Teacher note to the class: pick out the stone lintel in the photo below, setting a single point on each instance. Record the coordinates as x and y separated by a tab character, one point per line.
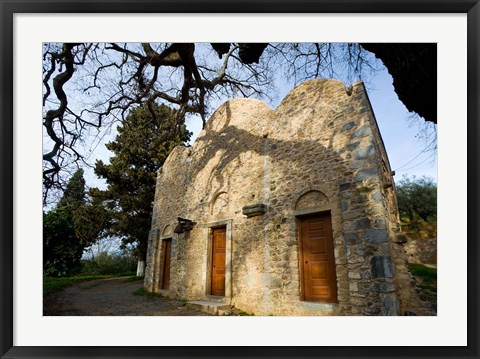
312	210
254	210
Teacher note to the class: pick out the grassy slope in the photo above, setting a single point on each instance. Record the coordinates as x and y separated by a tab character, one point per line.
426	276
427	280
52	285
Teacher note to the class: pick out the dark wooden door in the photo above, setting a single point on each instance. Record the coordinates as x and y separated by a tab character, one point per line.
167	251
218	261
319	283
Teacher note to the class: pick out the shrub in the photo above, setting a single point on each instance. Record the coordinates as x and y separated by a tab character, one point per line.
62	250
105	263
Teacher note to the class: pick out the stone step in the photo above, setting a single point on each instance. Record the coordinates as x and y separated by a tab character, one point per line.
208	307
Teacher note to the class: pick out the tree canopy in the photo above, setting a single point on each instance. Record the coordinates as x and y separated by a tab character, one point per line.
417	199
144	140
62	246
88	86
74	194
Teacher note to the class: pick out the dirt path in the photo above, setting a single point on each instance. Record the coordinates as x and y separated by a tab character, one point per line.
112	296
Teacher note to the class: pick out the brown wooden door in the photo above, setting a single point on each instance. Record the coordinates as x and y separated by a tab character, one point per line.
319	283
167	250
218	261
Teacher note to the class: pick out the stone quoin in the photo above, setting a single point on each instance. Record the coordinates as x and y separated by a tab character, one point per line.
289	211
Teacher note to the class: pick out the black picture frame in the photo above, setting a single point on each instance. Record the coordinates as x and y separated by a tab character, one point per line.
10	7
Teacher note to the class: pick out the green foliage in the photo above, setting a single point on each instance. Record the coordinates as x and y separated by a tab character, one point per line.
62	250
74	195
105	263
64	232
427	276
417	200
52	285
91	221
241	313
144	141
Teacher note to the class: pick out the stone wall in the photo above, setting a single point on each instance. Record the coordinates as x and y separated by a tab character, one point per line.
421	246
423	251
319	151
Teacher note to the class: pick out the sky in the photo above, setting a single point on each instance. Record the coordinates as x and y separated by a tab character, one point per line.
409	153
406	150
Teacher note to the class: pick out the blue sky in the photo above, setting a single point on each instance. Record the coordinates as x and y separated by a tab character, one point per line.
405	148
400	136
409	153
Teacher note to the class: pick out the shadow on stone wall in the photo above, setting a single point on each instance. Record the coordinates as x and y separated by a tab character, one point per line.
257	155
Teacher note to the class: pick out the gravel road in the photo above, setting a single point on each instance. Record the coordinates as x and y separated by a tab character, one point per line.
111	297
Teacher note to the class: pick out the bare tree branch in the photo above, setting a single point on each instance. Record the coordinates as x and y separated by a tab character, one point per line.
95	85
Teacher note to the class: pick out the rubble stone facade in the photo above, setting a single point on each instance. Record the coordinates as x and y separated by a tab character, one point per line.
258	173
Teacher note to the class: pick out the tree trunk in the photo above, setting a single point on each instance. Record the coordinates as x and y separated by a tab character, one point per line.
140	268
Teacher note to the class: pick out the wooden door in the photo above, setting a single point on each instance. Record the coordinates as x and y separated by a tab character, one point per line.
319	283
167	251
218	261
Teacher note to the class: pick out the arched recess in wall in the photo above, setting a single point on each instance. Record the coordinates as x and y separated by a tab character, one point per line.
167	231
220	203
311	198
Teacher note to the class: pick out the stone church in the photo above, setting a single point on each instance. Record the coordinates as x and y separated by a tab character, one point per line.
289	211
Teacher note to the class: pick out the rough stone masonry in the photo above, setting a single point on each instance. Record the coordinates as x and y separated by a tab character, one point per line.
289	211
